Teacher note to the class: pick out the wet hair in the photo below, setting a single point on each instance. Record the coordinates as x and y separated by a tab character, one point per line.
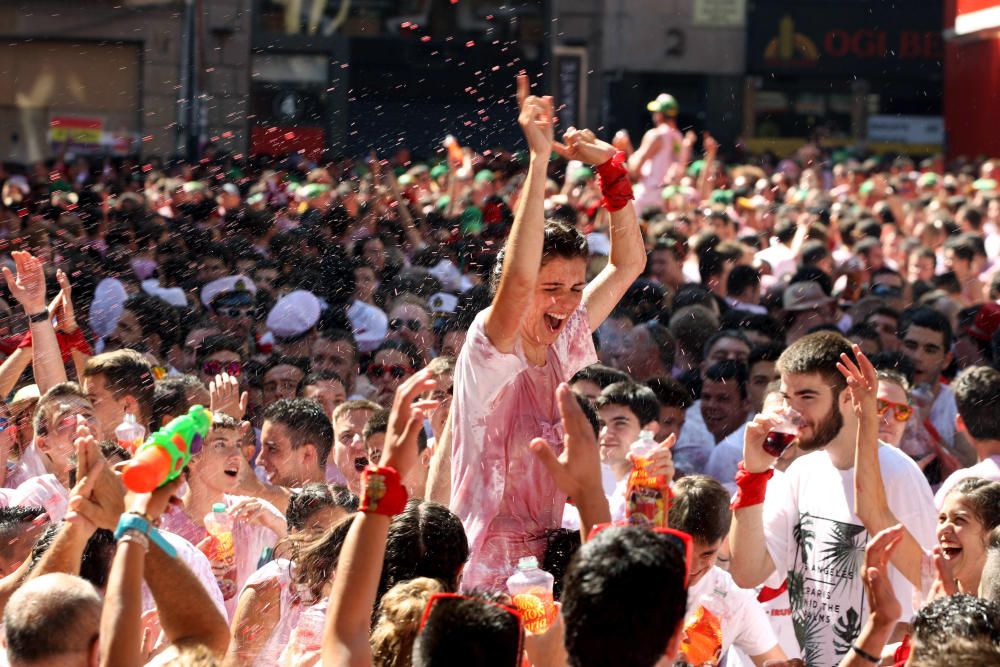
170	396
896	378
983	497
398	621
305	423
51	400
639	399
14	523
590	413
979	652
600	375
700	508
559	240
729	370
315	496
960	615
470	630
817	353
425	540
670	392
623	598
976	391
315	558
217	343
927	318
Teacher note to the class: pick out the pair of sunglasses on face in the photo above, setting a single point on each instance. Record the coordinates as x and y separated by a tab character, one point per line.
394	370
901	412
397	323
213	368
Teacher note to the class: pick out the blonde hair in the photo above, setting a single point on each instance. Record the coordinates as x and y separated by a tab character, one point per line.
398	622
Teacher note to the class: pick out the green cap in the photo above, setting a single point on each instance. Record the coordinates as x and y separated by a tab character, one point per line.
694	169
443	202
405	180
484	176
721	197
669	191
439	170
984	184
471	221
867	187
312	190
665	104
927	179
583	173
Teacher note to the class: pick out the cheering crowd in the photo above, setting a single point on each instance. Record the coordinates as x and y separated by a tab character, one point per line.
425	377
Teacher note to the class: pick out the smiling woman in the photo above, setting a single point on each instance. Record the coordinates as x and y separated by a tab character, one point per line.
534	336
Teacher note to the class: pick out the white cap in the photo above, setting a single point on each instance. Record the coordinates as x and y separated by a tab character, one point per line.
294	314
213	290
175	296
447	274
107	307
598	244
369	325
442	302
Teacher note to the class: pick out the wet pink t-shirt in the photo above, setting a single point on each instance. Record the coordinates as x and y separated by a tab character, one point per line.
250	540
501	492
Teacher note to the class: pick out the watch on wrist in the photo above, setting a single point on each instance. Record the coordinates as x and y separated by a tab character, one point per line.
135	522
43	316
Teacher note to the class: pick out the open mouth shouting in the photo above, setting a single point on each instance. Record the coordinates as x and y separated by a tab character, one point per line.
232	471
360	463
555	322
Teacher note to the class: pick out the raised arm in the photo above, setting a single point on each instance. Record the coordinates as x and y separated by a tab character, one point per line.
355	585
12	369
438	487
870	502
647	149
28	287
627	259
751	562
523	253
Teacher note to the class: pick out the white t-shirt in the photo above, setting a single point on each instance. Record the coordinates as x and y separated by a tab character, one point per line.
987	469
720	614
813	535
942	415
694	442
724	459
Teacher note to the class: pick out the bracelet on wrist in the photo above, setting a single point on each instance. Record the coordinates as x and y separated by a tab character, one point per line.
135	537
382	492
35	318
865	655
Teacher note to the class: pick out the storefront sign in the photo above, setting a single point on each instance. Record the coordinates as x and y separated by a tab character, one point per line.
906	129
719	13
868	38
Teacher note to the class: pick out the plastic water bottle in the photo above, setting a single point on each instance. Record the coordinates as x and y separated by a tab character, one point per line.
647	497
222	550
531	591
130	433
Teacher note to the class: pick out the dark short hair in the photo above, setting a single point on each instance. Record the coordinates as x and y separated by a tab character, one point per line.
670	392
336	335
217	343
558	240
306	423
155	316
983	496
700	508
926	318
725	333
742	278
894	361
600	375
623	598
590	413
315	377
315	496
960	615
976	392
817	353
763	324
377	423
470	630
638	398
170	397
729	370
765	352
865	331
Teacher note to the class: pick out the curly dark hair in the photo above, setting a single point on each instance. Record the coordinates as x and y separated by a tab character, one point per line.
561	240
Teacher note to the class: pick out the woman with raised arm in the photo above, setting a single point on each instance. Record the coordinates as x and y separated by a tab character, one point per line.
534	336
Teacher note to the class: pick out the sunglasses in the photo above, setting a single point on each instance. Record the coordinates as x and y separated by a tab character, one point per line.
378	370
439	598
235	313
678	538
213	368
901	411
413	325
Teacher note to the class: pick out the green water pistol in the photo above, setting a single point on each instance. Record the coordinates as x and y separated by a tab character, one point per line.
165	453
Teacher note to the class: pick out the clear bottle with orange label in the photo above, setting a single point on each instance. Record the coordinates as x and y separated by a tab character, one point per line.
531	592
647	497
130	433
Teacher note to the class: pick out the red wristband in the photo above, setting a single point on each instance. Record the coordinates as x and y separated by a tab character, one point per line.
750	487
382	492
615	186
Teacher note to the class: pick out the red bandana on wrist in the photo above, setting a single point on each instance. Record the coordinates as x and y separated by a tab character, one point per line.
615	185
751	487
382	492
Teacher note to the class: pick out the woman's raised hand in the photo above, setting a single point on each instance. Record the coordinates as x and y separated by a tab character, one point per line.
583	145
536	118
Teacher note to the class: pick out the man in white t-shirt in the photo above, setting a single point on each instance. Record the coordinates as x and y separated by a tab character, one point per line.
815	536
719	613
976	391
